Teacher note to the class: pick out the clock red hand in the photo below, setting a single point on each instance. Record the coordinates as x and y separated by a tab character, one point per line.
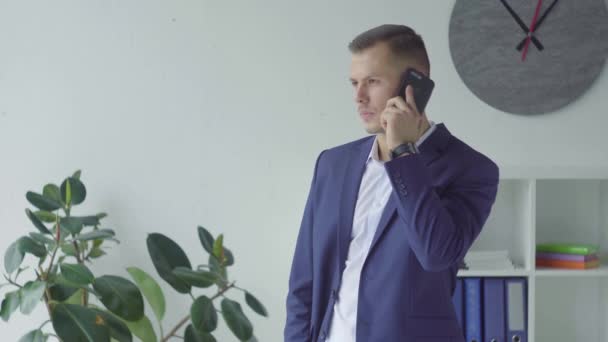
532	27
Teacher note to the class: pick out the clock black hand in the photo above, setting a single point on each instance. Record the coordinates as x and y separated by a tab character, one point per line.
540	21
523	26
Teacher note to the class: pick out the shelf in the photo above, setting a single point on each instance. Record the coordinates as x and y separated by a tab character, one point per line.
570	309
553	172
518	272
552	205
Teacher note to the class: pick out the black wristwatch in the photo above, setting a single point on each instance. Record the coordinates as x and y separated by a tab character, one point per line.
409	147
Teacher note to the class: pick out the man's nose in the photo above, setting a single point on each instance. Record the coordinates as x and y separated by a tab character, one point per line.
361	95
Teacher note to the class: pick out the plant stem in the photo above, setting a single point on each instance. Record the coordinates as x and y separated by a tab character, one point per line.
45	322
13	283
45	275
47	293
57	243
187	318
77	252
84	298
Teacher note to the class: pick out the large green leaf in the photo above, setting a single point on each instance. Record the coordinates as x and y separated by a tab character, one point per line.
76	297
9	304
78	191
43	239
150	289
142	329
236	319
120	296
96	252
255	304
68	248
118	329
203	314
72	224
167	255
42	202
77	323
192	335
77	273
96	234
61	292
218	248
37	223
206	239
51	191
228	257
13	257
195	278
87	221
34	336
67	196
45	216
30	295
29	245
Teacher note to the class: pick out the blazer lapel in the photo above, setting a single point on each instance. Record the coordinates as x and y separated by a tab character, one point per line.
353	173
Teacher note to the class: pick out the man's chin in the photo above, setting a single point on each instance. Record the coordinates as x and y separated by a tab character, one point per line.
373	129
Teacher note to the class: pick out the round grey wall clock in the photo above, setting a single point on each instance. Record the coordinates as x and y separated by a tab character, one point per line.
528	56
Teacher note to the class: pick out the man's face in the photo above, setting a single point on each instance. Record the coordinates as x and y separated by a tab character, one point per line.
374	75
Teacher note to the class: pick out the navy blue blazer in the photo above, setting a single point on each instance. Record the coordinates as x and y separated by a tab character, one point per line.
441	199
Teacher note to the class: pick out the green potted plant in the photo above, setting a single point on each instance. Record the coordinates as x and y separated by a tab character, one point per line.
85	307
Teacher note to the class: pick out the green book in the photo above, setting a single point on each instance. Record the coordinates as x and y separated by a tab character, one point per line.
567	248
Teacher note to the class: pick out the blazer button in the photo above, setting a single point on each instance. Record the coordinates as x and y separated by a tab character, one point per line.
322	337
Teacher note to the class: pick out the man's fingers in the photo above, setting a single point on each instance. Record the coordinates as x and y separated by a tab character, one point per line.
398	105
409	98
397	102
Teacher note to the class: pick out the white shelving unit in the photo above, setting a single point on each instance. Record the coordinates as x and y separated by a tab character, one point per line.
547	204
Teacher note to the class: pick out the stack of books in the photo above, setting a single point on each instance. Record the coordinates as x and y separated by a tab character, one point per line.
488	260
565	255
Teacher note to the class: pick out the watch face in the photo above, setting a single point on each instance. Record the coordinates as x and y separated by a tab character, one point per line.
522	73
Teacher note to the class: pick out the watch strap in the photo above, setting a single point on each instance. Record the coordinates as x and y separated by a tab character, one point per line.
404	148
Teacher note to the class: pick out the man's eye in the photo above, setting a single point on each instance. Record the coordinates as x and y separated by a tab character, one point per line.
372	80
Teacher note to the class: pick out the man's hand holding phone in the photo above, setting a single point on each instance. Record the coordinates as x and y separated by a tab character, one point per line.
401	120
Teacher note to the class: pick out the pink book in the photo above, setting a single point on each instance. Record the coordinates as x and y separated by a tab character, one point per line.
566	257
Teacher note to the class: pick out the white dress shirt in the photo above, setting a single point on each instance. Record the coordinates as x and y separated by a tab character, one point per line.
374	193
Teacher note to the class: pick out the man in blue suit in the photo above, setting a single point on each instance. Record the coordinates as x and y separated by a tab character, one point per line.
388	217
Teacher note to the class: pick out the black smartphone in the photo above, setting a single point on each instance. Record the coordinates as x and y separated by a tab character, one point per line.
423	87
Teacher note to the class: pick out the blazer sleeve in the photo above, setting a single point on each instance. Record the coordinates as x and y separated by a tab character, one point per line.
299	296
441	229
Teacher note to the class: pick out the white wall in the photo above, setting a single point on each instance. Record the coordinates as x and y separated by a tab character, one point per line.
208	112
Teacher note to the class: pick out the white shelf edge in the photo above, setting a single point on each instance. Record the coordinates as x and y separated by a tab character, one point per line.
518	272
552	172
602	271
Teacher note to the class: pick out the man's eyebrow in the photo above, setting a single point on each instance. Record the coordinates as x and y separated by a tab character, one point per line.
364	78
